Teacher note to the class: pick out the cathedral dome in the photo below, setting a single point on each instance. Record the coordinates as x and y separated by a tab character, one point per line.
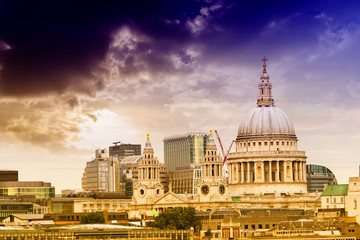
266	121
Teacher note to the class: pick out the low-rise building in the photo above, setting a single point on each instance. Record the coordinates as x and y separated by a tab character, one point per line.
37	188
334	196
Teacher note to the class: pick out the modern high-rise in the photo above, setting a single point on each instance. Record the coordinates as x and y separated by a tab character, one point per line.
184	149
122	150
318	177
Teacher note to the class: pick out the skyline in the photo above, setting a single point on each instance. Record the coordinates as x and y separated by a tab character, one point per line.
79	76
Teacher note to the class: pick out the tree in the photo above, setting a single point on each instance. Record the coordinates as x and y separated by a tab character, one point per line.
176	218
93	217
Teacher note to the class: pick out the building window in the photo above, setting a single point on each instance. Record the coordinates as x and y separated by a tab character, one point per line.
342	199
355	204
246	226
327	200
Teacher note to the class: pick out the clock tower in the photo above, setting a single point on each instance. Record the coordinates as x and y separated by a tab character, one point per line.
212	185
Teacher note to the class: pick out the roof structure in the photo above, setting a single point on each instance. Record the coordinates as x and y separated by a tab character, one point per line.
336	190
131	159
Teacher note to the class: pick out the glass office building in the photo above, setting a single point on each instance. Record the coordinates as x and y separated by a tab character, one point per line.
36	188
184	149
318	177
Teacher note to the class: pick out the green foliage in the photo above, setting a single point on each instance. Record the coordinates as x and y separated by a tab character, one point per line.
176	218
93	217
208	233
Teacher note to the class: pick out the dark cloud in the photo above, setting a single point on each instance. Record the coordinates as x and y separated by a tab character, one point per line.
56	45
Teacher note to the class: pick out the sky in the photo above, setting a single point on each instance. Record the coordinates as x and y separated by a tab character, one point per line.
80	75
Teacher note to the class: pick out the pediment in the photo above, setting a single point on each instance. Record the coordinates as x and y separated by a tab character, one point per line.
171	198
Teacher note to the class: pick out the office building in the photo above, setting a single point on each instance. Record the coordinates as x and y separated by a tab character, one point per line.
122	150
35	188
102	173
184	149
9	175
185	178
318	177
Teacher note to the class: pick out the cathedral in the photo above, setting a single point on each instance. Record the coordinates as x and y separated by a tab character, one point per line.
267	160
265	171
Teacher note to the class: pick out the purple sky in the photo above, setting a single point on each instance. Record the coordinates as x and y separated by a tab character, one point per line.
78	75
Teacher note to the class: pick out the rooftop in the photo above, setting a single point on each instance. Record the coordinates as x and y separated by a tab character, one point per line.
336	190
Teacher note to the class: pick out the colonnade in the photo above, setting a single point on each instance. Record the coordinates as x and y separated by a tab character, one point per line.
258	171
211	169
149	173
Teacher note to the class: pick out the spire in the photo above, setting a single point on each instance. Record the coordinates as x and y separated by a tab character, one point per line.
148	143
265	98
148	148
211	141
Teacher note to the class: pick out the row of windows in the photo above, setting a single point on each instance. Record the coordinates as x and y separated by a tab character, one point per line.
266	143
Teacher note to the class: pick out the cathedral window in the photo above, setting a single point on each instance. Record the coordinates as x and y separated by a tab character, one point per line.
254	144
259	143
283	143
249	144
277	143
271	143
265	143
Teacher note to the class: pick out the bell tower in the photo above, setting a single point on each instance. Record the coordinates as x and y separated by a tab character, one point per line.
212	185
148	186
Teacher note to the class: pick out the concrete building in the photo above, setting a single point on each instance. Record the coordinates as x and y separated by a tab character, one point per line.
102	173
318	177
122	150
266	160
185	178
184	149
9	176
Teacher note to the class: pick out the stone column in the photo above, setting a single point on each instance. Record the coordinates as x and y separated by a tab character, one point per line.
263	171
291	172
296	172
304	171
242	172
230	172
270	172
248	172
277	171
285	173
